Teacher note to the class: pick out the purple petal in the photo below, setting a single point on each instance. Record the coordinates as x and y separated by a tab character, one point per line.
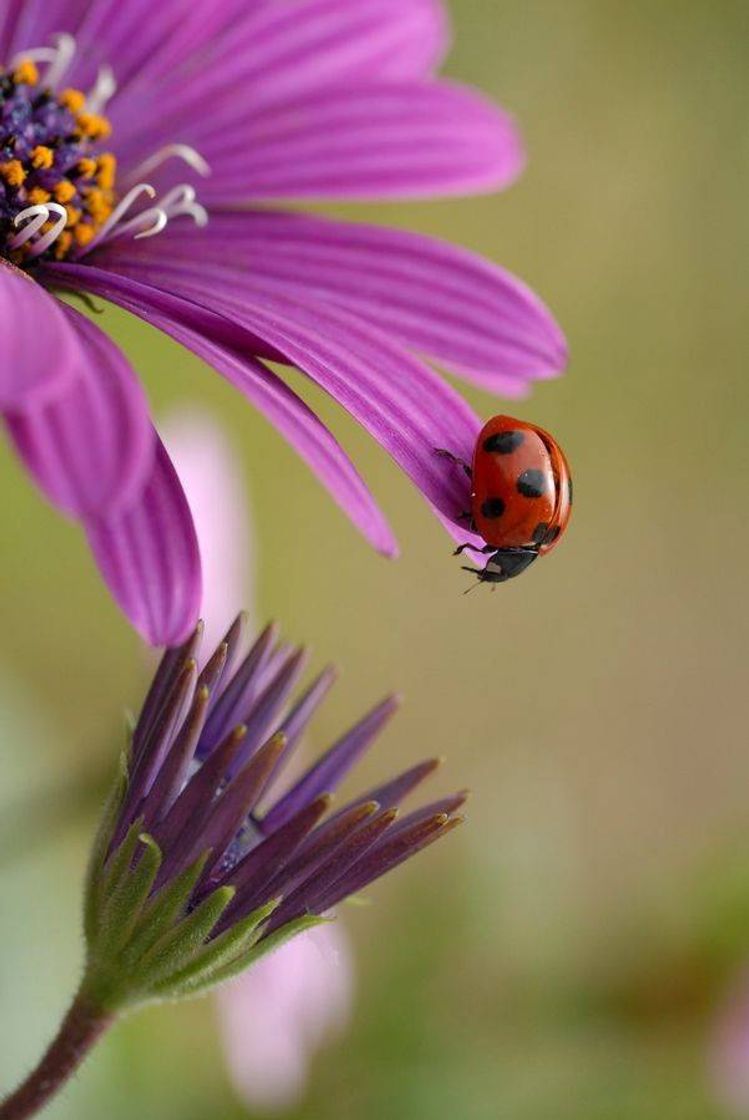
391	793
284	50
407	407
283	408
175	768
316	849
295	724
238	695
442	301
330	770
173	773
361	140
265	712
184	818
171	665
39	350
392	849
149	558
90	450
138	39
152	753
274	51
229	810
271	855
306	897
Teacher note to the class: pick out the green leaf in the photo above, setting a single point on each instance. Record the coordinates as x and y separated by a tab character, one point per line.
216	955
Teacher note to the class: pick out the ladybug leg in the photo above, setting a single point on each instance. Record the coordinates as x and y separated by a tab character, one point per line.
466	516
474	548
444	454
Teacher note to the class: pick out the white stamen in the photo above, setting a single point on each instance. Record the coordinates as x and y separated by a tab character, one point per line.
148	223
51	235
59	57
119	212
178	201
105	87
181	200
39	215
184	152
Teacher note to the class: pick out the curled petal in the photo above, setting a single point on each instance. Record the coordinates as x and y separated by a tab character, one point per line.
403	404
149	558
286	411
39	349
91	449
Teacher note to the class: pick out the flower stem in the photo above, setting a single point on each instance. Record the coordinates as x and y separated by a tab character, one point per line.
79	1032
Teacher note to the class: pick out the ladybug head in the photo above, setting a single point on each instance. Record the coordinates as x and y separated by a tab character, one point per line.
504	564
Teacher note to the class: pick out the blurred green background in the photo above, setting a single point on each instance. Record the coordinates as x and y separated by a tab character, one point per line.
563	955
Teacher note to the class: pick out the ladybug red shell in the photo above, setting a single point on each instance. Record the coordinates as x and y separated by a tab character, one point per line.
521	496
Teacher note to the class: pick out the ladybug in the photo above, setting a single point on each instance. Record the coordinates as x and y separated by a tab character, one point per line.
521	496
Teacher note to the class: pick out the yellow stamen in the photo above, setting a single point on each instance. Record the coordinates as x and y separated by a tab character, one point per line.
98	205
64	191
74	216
63	245
93	126
38	196
86	167
26	73
83	234
107	168
72	99
13	172
42	157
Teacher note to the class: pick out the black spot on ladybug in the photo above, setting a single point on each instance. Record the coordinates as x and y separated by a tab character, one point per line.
552	534
539	533
502	443
492	507
569	489
531	483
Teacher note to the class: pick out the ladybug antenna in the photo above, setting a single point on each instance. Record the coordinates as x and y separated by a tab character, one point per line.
472	587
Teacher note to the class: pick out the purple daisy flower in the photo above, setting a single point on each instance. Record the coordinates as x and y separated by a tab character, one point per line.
201	781
122	120
202	866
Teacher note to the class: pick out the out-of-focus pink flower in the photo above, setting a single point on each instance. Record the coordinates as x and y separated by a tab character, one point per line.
277	1014
729	1050
275	1017
220	505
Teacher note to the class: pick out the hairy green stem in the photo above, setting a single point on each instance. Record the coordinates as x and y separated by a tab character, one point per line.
81	1029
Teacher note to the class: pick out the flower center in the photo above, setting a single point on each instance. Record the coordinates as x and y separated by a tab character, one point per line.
58	197
57	184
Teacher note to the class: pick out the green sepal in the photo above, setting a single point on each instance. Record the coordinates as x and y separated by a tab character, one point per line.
124	901
103	839
177	948
218	954
256	952
110	874
163	910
